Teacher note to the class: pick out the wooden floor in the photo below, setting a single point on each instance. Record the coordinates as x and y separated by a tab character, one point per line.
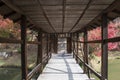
62	67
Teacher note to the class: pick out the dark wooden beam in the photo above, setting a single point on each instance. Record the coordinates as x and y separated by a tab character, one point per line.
33	42
1	4
50	44
114	15
96	25
104	47
63	14
12	6
87	6
77	35
47	40
9	40
115	39
99	20
69	4
23	48
110	18
85	57
17	20
30	26
45	15
116	11
69	45
55	44
73	37
9	14
40	54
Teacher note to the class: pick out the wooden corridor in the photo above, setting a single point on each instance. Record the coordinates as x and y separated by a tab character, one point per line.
50	20
62	67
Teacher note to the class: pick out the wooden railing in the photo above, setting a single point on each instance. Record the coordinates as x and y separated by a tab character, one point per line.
45	57
75	54
115	39
88	66
38	67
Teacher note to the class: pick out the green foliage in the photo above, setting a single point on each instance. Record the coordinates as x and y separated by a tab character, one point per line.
91	50
4	33
10	74
19	50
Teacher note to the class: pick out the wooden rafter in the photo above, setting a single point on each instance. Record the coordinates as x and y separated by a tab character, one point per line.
63	13
110	8
9	14
1	4
16	20
87	6
18	11
117	12
30	25
45	15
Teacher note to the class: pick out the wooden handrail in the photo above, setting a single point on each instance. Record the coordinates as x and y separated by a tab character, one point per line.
36	69
33	42
115	39
89	67
29	76
9	40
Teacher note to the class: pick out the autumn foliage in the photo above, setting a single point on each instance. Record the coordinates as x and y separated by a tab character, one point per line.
96	35
8	29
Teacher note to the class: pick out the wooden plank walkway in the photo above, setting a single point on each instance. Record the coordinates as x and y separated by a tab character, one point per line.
62	67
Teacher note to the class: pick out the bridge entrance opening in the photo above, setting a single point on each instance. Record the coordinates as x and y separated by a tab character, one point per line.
62	45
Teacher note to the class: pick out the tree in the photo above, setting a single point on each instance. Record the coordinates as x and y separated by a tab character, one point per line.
8	28
96	35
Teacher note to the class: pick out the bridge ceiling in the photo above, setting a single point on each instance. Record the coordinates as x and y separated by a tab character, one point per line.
61	16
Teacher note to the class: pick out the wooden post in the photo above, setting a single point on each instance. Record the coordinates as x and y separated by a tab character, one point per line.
55	43
104	46
75	42
40	54
73	46
71	35
85	51
50	45
77	46
69	45
47	47
23	48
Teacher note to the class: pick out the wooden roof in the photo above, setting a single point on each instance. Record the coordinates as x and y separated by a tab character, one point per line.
60	16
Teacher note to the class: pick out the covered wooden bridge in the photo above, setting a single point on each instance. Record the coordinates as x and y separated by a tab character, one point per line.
53	19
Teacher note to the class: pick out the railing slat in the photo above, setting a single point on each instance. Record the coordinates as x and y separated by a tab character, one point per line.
115	39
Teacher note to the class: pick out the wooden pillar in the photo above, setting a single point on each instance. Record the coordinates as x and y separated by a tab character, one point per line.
85	57
47	47
69	45
55	43
104	46
73	46
23	48
77	46
71	35
39	56
50	45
